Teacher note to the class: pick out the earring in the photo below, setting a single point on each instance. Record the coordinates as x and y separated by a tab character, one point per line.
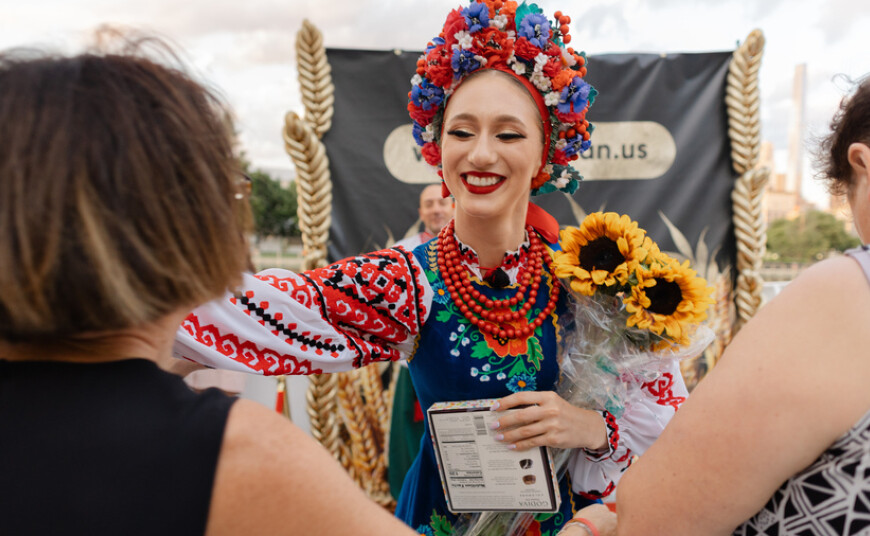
445	192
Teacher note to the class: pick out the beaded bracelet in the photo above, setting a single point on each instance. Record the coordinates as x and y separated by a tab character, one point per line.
581	522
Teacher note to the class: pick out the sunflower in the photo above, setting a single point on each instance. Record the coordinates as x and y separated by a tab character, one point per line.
668	299
603	252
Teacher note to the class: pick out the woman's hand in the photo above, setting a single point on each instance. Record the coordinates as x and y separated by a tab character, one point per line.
599	515
548	421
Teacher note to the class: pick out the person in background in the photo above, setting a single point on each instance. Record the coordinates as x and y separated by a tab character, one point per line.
435	212
776	438
118	213
406	417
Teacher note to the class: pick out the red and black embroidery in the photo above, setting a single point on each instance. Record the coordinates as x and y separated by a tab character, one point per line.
662	389
595	494
245	352
612	438
286	330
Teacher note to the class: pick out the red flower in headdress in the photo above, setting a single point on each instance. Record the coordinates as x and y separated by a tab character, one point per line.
455	23
524	49
432	153
552	67
418	114
494	46
559	158
438	68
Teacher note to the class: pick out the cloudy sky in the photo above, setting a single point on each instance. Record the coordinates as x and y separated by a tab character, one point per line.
246	47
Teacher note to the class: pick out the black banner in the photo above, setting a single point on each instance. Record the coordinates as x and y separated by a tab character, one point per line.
660	152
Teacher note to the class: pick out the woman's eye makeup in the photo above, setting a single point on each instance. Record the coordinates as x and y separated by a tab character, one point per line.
510	136
459	133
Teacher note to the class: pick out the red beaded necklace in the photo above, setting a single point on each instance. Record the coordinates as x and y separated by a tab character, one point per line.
494	316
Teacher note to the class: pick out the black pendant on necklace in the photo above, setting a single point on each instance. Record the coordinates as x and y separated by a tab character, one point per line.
498	279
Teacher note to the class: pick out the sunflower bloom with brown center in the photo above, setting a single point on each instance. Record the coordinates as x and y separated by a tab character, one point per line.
603	252
668	299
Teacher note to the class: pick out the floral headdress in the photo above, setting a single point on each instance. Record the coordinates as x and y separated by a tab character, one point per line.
521	41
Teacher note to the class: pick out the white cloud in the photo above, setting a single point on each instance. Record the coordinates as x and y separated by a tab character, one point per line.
247	48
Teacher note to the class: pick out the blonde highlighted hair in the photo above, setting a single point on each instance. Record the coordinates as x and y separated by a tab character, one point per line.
118	192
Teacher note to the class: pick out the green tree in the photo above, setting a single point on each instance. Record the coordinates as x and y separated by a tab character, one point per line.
809	237
273	207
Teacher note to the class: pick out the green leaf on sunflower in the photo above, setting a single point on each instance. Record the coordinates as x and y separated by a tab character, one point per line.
440	526
536	353
481	350
518	368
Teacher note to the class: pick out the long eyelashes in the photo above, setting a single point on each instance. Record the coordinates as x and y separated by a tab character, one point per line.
504	136
459	134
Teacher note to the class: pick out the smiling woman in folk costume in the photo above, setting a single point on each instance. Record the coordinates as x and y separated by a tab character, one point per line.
499	105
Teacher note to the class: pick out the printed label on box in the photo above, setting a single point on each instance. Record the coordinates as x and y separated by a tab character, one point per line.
479	473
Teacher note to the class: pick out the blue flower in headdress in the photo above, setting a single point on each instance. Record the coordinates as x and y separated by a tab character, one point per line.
476	16
417	132
464	62
574	96
427	531
438	41
536	28
427	95
576	145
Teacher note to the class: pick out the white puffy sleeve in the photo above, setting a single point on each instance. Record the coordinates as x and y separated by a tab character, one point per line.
595	474
332	319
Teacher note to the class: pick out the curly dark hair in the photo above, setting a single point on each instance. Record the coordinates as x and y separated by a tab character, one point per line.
850	124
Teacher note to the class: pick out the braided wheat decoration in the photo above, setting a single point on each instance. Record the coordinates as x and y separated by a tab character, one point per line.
315	78
744	129
348	411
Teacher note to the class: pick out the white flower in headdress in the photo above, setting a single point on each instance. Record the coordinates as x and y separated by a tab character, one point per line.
518	66
416	80
541	81
567	59
481	60
561	143
464	40
551	98
563	180
540	61
499	22
428	133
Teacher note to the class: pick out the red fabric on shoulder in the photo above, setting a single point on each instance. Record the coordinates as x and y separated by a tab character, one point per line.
543	222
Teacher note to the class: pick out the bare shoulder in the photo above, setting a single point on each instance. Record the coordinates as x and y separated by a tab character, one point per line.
789	384
272	478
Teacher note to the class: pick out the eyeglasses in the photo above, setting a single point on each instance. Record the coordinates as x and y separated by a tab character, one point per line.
244	184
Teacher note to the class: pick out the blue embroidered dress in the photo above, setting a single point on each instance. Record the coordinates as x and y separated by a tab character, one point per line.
393	304
454	361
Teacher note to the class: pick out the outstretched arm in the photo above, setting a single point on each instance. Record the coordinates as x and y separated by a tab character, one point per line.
347	315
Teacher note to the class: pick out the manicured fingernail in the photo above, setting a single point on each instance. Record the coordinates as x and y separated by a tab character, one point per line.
494	406
499	437
494	425
512	447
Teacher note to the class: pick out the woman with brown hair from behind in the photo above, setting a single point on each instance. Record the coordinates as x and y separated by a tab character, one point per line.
118	213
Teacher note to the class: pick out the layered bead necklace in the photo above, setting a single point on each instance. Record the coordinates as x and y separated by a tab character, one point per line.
495	316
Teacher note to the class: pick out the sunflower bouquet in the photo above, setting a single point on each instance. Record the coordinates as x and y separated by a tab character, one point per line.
634	311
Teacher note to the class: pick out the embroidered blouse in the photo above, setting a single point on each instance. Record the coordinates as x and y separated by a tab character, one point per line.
391	305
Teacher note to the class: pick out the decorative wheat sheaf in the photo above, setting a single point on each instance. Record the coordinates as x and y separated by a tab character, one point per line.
744	129
348	412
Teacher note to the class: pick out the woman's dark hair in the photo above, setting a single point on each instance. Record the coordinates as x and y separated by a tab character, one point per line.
118	192
850	124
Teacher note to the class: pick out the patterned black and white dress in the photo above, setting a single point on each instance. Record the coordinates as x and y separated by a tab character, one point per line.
831	496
